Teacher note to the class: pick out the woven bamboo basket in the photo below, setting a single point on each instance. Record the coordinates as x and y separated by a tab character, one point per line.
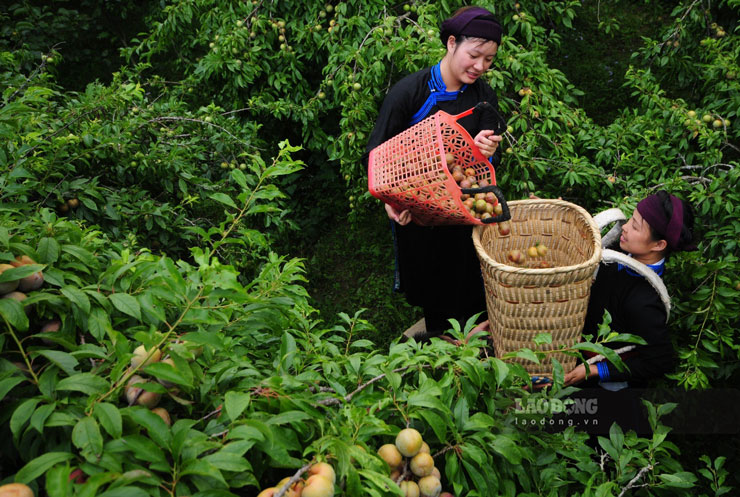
524	301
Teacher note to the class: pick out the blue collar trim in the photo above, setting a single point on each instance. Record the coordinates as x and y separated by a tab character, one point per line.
658	268
437	93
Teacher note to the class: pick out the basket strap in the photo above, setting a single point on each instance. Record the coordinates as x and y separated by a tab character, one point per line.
605	218
609	256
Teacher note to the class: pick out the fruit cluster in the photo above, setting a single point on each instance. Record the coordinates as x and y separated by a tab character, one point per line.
16	288
320	483
68	205
534	252
412	465
715	121
479	205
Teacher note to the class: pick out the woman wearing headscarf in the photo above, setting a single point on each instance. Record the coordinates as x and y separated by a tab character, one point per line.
437	267
660	225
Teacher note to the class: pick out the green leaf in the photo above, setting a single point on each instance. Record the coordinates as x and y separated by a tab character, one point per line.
507	448
40	416
81	254
12	311
165	372
41	465
158	430
22	414
20	272
501	369
127	304
58	483
235	403
435	421
86	437
110	417
228	461
77	297
94	482
383	482
288	417
127	491
526	354
201	467
66	362
142	447
88	383
224	199
616	436
98	322
8	384
238	176
681	479
479	482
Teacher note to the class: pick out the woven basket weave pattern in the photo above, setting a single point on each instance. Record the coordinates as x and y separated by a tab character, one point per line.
409	171
523	301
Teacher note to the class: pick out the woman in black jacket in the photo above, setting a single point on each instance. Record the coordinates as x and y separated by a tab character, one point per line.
437	267
661	224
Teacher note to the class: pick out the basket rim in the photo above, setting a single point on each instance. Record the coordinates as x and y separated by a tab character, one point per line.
593	260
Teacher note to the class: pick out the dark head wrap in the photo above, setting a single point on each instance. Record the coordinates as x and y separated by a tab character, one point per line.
475	22
652	211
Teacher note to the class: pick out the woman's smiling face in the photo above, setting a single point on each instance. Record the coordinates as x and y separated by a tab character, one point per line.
470	58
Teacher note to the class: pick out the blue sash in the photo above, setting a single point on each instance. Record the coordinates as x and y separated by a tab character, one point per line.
437	93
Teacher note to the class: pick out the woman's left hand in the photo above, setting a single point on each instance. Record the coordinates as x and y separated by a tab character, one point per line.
578	374
487	142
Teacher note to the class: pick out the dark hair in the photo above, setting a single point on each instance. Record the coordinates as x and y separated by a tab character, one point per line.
686	239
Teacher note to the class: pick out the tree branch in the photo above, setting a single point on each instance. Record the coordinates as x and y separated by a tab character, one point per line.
633	482
334	401
297	476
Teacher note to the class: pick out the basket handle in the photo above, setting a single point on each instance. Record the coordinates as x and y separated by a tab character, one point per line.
604	219
505	214
487	107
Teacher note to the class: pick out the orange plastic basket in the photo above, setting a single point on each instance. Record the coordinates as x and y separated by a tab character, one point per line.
410	171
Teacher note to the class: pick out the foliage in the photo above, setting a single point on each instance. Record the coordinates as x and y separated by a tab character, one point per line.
157	203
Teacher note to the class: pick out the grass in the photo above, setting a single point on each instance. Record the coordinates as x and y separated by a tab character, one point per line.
350	267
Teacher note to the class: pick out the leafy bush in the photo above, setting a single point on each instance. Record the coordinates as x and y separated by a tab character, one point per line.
155	206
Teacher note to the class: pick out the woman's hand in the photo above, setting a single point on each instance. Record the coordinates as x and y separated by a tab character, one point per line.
578	374
403	218
487	142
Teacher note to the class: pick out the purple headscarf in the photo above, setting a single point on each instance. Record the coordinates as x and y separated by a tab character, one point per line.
475	22
652	211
